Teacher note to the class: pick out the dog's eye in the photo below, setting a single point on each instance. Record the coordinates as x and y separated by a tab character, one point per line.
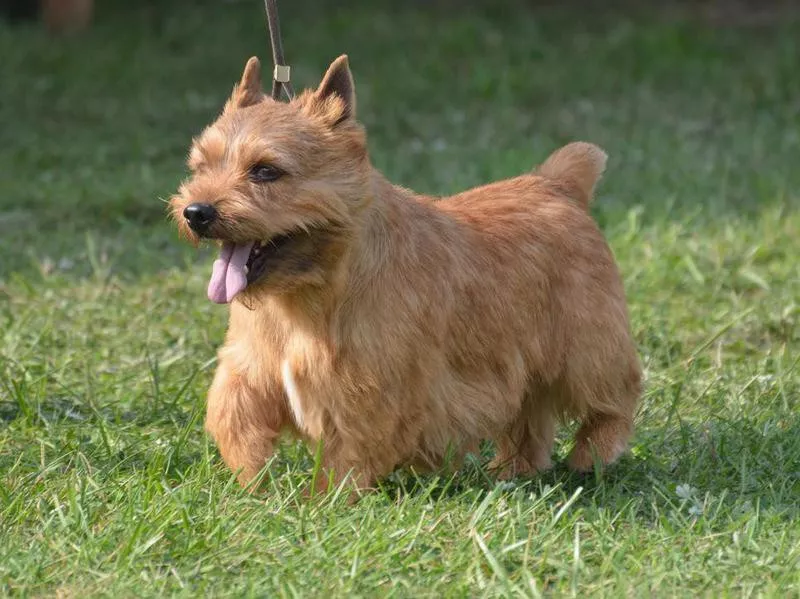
264	173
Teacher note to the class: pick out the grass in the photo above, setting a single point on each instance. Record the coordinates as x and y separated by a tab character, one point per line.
108	485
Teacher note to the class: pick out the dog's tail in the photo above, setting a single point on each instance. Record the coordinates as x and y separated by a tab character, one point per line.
576	168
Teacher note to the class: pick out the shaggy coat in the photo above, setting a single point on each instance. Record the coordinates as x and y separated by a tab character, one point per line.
399	329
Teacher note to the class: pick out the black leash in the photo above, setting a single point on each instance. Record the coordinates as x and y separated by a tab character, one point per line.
281	72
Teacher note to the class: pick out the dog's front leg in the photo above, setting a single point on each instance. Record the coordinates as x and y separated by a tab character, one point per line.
244	422
340	469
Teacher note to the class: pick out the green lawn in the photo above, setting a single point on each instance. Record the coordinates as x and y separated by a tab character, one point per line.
108	484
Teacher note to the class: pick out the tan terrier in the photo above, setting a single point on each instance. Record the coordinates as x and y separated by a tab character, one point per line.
394	328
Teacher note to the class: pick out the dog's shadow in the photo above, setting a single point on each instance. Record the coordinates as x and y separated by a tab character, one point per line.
724	465
475	475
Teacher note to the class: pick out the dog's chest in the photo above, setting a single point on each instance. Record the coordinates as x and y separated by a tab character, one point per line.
305	378
292	392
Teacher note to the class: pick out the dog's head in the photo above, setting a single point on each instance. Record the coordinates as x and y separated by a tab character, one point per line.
280	185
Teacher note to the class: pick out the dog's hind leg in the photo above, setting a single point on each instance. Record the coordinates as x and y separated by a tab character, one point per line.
244	423
527	445
600	438
607	425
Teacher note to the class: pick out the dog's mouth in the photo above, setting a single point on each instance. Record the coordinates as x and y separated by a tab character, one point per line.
265	251
240	264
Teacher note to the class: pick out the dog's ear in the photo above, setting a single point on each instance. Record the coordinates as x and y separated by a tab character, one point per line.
335	98
248	91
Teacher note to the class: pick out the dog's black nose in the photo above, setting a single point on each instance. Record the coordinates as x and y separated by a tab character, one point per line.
200	217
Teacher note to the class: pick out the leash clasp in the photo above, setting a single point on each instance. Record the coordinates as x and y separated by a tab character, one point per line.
282	73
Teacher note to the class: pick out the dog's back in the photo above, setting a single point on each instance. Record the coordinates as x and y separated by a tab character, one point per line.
556	320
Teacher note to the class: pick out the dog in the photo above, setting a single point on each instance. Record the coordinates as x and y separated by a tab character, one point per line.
393	329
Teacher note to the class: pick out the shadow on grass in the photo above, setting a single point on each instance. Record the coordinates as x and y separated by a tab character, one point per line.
746	461
692	469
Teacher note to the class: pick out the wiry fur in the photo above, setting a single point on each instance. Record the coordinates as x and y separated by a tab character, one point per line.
406	327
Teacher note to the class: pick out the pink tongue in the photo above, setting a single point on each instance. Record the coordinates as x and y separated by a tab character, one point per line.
228	277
